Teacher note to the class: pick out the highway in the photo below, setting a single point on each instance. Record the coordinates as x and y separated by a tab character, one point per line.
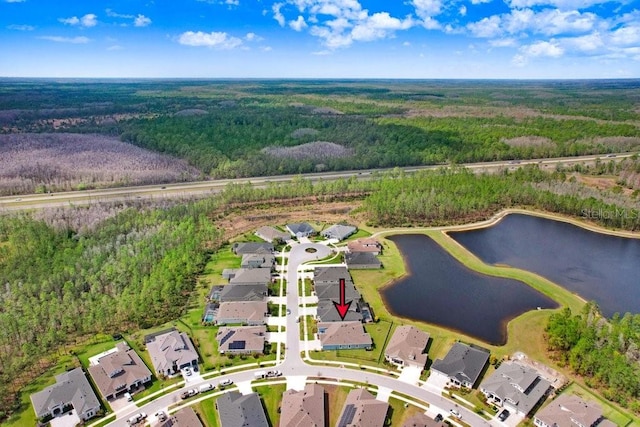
199	188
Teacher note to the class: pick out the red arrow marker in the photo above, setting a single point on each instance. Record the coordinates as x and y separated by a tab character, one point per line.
342	306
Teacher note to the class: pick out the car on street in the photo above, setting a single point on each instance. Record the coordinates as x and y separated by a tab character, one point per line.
288	311
504	415
456	413
273	374
225	383
161	416
187	372
187	394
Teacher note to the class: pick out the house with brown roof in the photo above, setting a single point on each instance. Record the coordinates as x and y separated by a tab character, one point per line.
271	234
421	420
343	336
241	339
516	387
304	408
568	410
251	313
71	390
368	244
407	347
119	371
171	351
361	409
185	417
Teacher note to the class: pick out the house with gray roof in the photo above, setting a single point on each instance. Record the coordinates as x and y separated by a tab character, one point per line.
568	410
305	408
331	275
326	312
241	248
338	232
331	291
214	293
171	352
407	347
516	387
72	389
258	261
210	312
462	365
300	229
272	234
368	244
185	417
241	339
242	312
362	260
343	336
251	276
362	409
243	292
119	371
236	410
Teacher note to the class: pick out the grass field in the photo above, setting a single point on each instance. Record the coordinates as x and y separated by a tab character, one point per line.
271	396
400	412
207	411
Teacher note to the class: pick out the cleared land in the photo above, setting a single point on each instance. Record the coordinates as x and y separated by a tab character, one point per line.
31	163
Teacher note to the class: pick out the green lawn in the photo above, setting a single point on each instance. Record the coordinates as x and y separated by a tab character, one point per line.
271	396
207	411
400	412
336	396
618	416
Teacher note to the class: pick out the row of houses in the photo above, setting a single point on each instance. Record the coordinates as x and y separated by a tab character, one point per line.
337	232
115	372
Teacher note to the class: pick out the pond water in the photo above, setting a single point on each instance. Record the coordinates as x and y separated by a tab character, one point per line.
440	290
596	266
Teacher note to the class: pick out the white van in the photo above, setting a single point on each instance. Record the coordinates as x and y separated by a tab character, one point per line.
206	387
260	375
127	396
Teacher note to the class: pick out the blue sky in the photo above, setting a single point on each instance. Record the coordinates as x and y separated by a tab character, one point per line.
321	38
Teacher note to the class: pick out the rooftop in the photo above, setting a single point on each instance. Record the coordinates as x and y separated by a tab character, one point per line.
361	409
236	410
343	333
70	387
118	370
408	343
568	410
303	408
241	338
463	362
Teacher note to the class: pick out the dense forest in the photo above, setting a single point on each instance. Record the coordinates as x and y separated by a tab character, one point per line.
255	128
605	353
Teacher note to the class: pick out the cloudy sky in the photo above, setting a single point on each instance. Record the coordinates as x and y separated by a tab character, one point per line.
320	38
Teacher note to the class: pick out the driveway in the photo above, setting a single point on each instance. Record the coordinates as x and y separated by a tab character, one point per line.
435	383
276	337
277	320
410	374
68	419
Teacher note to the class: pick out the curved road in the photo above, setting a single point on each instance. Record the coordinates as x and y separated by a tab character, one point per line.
294	365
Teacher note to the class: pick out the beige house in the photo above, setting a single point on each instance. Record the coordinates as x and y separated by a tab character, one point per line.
185	417
119	372
407	347
343	336
242	312
365	245
303	408
241	339
569	410
171	351
361	409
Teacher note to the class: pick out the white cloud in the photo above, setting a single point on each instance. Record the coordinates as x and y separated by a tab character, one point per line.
88	20
232	2
462	11
588	43
480	1
406	43
74	40
627	35
560	4
543	48
21	27
299	24
427	8
115	47
266	48
486	27
508	42
219	40
141	21
110	13
379	25
15	1
277	15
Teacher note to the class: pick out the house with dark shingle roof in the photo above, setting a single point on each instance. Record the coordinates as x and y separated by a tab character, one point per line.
421	420
171	352
258	261
271	234
331	275
241	248
462	365
326	312
338	232
72	389
236	410
568	410
343	336
362	260
516	387
300	229
185	417
305	408
241	339
407	347
119	372
242	292
362	409
331	291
